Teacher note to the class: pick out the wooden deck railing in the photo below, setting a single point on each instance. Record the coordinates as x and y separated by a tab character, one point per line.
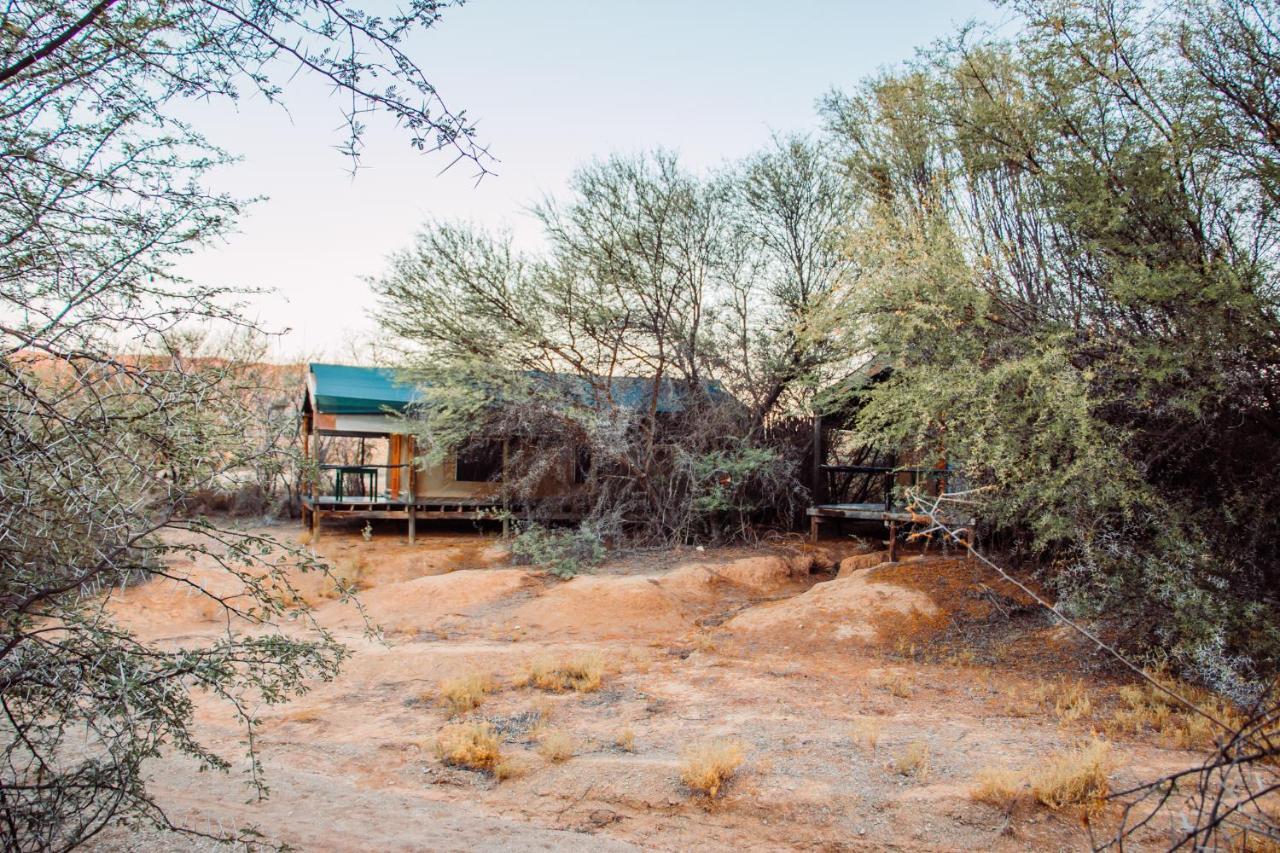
860	484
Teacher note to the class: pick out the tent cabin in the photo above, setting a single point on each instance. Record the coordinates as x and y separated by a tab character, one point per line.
852	482
368	404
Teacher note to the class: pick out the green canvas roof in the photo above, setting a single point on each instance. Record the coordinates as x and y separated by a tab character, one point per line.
341	389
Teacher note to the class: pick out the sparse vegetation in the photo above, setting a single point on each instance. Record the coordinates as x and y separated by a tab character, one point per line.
581	673
1072	702
563	551
465	692
706	767
1146	709
1002	788
898	685
1076	777
865	733
913	761
473	746
509	768
625	740
556	746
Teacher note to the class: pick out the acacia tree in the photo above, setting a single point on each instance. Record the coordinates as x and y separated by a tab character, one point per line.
1069	255
657	285
102	185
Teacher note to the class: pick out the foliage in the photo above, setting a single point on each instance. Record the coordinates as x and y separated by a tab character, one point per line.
708	766
669	330
1067	254
112	426
562	551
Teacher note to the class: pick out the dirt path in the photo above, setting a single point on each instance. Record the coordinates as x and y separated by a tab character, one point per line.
827	683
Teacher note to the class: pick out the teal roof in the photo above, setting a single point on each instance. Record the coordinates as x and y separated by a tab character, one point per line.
342	389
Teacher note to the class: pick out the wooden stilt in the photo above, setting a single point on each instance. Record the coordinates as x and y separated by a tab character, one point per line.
315	481
893	542
813	529
413	492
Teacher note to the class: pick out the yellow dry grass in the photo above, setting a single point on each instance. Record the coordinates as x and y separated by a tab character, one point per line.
509	768
465	692
914	761
470	745
582	673
707	766
1076	777
1072	701
1000	787
865	733
1145	708
301	715
898	685
625	740
556	746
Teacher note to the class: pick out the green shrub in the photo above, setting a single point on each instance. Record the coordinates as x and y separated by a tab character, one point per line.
564	551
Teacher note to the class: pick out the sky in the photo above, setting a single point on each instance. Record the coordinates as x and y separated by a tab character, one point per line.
552	85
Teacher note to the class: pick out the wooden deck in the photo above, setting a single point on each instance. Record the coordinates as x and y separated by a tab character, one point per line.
315	509
891	516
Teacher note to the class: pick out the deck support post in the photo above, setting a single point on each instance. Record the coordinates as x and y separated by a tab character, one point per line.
893	541
813	529
506	506
313	445
413	491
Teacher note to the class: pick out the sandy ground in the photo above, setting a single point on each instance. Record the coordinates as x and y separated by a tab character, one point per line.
780	647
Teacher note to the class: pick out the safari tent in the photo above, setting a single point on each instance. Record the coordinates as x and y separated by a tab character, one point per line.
368	404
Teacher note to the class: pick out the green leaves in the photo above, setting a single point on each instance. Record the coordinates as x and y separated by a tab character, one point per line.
1066	262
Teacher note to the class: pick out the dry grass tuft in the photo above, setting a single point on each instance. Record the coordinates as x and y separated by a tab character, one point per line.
899	685
704	643
914	761
1075	778
865	733
706	767
626	740
466	692
301	715
555	746
1072	702
1144	708
509	768
583	673
470	745
1000	787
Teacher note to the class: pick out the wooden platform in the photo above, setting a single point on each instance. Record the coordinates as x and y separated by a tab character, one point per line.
329	506
890	515
315	509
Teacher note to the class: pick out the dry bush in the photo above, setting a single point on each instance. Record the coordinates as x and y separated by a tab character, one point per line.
1072	701
899	685
1001	787
626	740
470	745
704	643
1076	777
706	767
465	692
556	746
865	732
914	760
509	768
583	673
1145	708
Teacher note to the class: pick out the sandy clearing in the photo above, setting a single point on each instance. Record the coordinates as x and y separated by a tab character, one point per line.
762	646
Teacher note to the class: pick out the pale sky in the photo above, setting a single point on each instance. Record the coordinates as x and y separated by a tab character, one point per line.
553	84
